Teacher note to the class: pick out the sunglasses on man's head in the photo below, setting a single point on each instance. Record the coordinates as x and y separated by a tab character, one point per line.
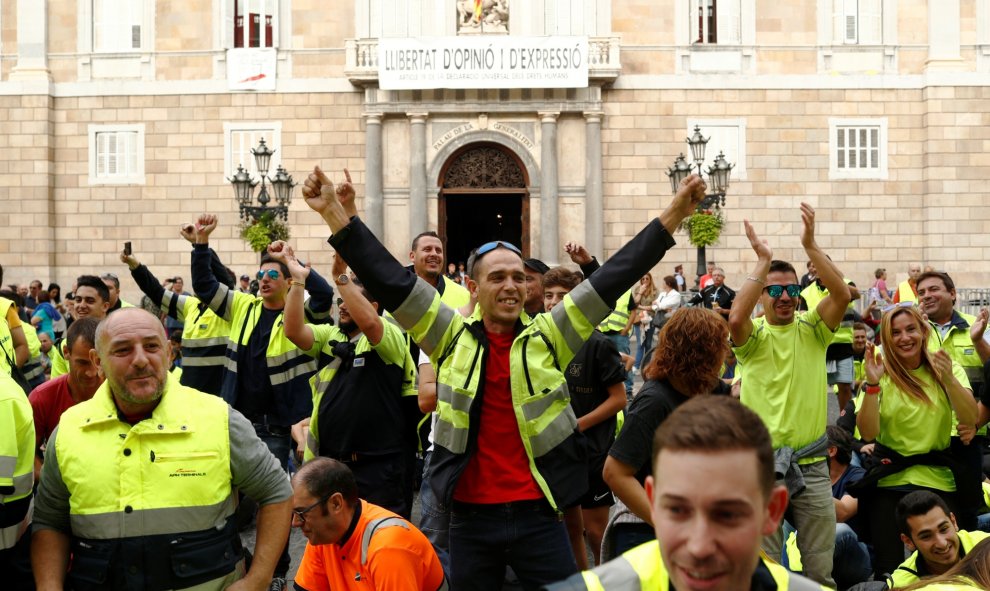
775	291
490	246
272	274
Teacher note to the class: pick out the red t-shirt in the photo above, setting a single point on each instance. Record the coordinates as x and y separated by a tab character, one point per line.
49	401
498	471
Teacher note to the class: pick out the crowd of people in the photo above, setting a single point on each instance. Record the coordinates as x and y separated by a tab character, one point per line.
138	441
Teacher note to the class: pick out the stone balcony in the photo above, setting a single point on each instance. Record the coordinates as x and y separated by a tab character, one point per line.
361	65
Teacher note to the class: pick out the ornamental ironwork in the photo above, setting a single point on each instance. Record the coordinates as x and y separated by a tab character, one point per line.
484	167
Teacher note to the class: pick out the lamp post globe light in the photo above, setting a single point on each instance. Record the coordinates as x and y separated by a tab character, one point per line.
244	185
718	181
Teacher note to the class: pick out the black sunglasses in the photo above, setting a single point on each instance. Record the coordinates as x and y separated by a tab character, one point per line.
775	291
301	513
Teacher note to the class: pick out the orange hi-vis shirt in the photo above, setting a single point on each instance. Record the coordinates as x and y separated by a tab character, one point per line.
398	558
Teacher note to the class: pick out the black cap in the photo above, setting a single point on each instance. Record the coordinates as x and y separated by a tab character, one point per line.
245	278
537	265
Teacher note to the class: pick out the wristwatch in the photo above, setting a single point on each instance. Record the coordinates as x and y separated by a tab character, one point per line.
342	279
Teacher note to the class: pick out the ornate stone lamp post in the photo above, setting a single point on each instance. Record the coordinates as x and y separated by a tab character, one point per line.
244	187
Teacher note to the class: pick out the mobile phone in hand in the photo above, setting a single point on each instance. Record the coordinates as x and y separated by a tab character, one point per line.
127	248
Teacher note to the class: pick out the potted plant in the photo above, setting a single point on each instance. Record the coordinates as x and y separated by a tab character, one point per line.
263	231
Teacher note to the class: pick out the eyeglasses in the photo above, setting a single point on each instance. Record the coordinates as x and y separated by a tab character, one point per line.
272	274
301	513
775	291
490	246
890	307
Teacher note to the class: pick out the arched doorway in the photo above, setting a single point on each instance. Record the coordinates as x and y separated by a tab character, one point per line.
483	197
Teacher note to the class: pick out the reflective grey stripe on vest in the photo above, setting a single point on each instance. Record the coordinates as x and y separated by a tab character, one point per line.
23	483
589	302
415	306
799	583
618	575
213	361
560	428
223	300
566	328
32	369
199	343
149	522
312	444
316	316
372	529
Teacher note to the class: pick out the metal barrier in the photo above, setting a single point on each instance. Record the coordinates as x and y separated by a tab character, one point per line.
969	300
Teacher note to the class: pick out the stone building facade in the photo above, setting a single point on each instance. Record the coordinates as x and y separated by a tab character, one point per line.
123	119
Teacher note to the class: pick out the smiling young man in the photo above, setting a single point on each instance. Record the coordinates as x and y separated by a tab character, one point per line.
782	360
930	531
91	300
712	498
507	456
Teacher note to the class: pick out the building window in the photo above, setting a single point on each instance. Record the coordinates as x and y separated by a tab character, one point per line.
727	136
858	22
715	22
242	137
116	154
254	23
858	148
117	25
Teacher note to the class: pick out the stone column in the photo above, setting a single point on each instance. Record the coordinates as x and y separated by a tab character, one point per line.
548	229
944	35
374	203
417	173
594	206
32	41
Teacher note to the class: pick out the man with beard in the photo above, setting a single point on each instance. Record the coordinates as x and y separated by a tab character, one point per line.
907	290
365	408
140	482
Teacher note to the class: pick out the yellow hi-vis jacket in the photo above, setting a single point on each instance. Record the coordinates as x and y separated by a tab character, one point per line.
16	460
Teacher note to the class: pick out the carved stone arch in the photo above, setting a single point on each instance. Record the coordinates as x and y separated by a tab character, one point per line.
532	169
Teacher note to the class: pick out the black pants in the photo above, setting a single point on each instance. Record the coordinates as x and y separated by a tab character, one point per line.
15	564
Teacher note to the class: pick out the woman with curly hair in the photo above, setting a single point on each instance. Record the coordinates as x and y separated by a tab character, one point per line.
686	363
912	398
972	572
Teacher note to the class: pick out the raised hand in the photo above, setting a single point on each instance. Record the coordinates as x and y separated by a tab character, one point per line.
280	251
808	233
689	194
346	194
760	247
319	192
942	364
979	326
873	364
130	260
188	231
205	225
578	253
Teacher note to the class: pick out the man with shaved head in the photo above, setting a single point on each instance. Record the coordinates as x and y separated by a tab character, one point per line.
139	482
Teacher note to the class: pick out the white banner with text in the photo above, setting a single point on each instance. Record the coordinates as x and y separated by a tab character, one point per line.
482	62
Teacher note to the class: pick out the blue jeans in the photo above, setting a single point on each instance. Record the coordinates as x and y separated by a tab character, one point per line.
434	523
851	563
621	343
529	536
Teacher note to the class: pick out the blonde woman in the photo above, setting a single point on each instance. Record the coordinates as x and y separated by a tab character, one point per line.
912	397
644	293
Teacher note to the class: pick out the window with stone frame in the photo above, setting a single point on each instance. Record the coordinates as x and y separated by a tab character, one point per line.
715	22
857	22
726	136
241	137
116	154
117	25
858	148
251	23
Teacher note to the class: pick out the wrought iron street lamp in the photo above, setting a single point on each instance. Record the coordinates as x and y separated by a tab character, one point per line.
718	180
244	186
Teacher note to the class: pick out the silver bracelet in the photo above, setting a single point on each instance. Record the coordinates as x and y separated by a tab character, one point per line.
756	279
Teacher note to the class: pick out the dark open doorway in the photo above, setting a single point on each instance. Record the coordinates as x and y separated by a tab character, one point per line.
472	220
483	197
